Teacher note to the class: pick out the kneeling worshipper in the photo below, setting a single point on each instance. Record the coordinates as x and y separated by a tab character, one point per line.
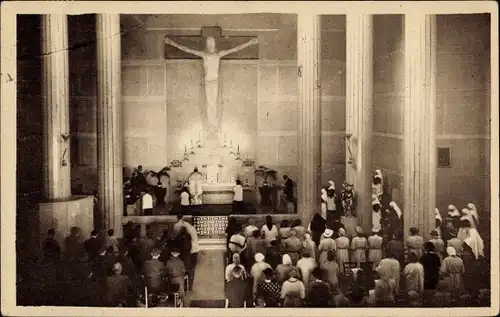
452	269
293	292
269	230
119	287
385	291
306	265
299	229
283	270
358	246
432	263
456	244
414	274
389	269
342	243
293	246
375	248
438	243
230	268
257	271
250	228
319	294
309	245
415	242
317	227
237	243
332	271
237	290
284	231
269	290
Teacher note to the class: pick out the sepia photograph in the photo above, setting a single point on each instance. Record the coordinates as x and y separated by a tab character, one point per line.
249	155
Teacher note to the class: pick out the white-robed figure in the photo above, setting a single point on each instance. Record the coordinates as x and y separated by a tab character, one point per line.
467	215
331	185
376	214
473	213
378	184
195	181
438	221
324	197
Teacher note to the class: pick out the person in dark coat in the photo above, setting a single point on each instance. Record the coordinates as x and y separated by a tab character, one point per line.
317	227
51	248
431	263
92	246
273	254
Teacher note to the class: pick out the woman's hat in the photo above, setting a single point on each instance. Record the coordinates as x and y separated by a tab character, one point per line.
328	233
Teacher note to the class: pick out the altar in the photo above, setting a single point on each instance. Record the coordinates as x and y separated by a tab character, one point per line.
221	193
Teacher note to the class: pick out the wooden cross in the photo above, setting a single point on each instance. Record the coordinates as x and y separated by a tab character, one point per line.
222	42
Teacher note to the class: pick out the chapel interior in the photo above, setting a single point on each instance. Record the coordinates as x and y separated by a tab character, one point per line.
278	115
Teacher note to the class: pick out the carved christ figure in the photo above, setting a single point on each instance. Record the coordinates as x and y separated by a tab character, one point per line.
211	61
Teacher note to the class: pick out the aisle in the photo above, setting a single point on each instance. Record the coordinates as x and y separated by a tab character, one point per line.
209	278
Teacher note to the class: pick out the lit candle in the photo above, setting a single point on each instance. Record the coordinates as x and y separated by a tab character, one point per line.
238	148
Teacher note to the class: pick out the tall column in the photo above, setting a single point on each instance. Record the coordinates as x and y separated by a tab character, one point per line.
55	88
309	125
359	112
420	122
109	122
61	211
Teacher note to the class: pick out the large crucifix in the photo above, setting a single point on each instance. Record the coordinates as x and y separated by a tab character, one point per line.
211	56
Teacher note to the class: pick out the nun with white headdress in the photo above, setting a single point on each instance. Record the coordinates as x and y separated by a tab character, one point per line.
324	198
378	184
376	214
438	221
454	214
467	215
472	251
331	185
395	217
474	213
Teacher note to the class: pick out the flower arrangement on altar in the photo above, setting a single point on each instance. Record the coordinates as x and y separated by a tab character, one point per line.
176	163
248	162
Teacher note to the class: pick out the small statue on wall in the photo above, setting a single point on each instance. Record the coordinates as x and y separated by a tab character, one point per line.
347	197
65	138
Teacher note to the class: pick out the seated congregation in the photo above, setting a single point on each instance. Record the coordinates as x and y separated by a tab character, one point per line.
134	271
320	266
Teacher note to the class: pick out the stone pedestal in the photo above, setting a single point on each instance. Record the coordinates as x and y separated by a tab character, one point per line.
109	122
420	123
55	88
359	113
309	125
63	215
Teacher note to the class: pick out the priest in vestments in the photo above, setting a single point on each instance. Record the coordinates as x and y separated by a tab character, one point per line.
196	187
